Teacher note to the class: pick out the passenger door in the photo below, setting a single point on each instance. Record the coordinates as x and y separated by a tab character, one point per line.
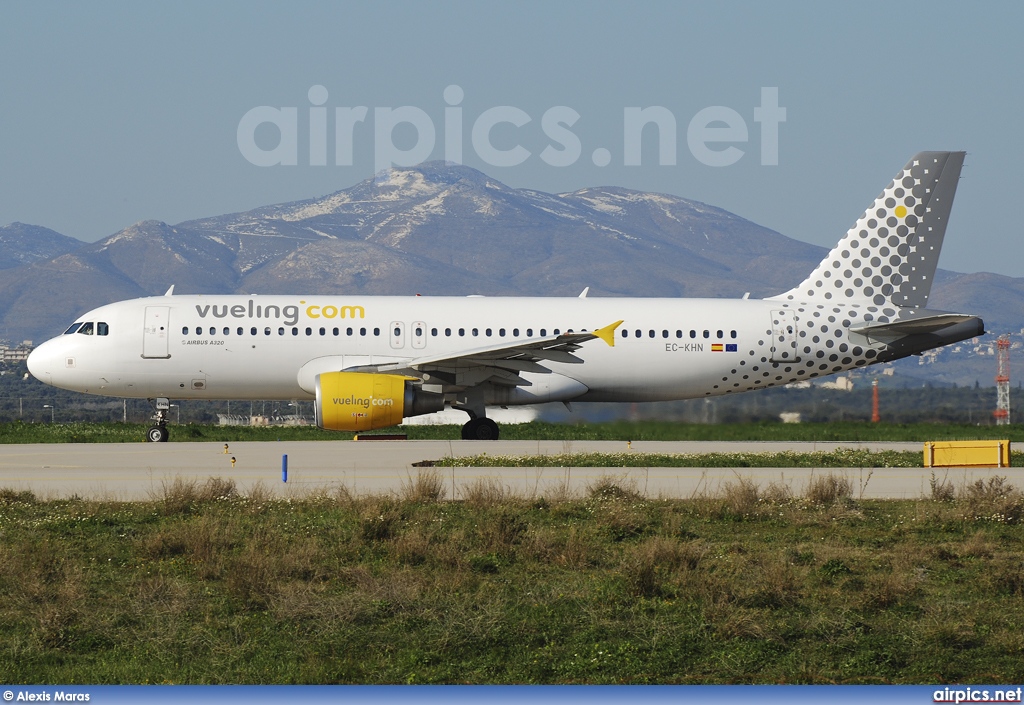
154	332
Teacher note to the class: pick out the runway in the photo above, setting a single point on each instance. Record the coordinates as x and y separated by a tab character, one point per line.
139	471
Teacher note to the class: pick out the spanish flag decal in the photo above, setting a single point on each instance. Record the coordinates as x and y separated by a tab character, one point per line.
717	347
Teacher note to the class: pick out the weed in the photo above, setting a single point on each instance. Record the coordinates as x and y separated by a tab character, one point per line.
10	496
826	490
742	497
428	486
486	492
941	490
993	499
608	489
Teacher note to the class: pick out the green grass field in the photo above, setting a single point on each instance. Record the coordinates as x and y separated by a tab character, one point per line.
201	585
17	432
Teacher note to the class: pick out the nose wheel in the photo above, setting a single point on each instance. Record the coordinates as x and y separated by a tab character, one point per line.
158	433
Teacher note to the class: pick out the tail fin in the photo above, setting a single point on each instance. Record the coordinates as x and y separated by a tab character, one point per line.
890	255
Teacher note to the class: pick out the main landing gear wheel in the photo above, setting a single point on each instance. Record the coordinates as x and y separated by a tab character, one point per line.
157	434
480	429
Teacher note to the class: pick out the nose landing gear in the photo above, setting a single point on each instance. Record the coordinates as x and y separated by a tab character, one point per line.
158	433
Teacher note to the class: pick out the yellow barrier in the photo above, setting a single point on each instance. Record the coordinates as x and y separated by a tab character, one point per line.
961	454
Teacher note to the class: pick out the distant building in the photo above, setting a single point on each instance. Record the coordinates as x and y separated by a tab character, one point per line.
15	353
843	384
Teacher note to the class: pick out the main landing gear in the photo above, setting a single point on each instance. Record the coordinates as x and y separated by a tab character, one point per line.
480	429
158	433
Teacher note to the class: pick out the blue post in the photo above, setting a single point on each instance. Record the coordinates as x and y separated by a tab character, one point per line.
284	468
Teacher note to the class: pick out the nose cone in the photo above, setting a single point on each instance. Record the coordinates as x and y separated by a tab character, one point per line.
41	362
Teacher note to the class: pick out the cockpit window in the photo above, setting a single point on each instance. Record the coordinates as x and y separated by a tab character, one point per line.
86	329
74	327
102	328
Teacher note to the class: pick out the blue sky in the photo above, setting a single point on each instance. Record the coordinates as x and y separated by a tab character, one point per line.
118	112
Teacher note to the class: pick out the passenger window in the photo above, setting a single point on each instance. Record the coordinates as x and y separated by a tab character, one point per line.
213	331
555	331
253	331
625	333
86	329
693	334
309	331
295	331
501	332
280	331
348	331
417	333
447	332
376	331
732	334
664	334
335	332
462	332
707	334
488	332
543	332
476	332
102	328
266	331
398	332
433	332
650	333
515	332
362	331
75	326
227	331
199	330
720	335
240	330
679	334
184	330
529	332
323	331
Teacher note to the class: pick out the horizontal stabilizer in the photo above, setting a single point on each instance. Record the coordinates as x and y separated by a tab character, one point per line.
914	326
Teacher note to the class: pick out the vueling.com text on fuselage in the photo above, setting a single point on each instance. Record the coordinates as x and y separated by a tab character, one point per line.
289	315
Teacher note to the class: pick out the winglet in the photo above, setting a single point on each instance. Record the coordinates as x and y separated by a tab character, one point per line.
607	334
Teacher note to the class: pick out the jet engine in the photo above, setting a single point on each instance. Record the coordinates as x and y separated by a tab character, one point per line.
360	401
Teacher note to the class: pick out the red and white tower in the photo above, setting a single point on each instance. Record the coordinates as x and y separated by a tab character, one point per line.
1002	412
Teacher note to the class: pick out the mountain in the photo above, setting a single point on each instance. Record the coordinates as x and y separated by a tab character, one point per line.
436	229
22	244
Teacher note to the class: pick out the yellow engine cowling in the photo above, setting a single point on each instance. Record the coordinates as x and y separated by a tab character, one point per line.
360	401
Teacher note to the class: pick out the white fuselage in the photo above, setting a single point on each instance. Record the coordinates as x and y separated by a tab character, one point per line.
253	347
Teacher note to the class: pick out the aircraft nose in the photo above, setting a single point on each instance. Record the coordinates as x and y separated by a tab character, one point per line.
40	363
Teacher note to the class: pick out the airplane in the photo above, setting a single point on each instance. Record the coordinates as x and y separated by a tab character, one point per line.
367	362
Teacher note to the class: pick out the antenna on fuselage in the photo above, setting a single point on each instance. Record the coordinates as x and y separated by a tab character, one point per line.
583	294
170	292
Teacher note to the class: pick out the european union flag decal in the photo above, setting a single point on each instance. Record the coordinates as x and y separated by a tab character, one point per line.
730	347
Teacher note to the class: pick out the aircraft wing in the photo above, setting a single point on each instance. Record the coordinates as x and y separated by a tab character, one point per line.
500	363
